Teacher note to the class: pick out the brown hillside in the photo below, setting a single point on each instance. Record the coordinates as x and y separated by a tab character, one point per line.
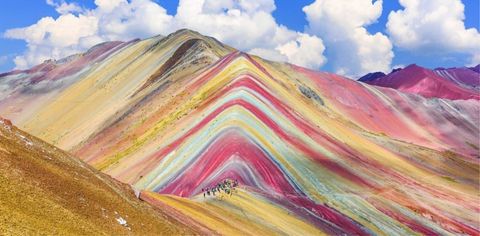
44	190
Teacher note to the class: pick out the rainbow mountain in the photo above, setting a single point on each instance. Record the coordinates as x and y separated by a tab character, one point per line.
314	152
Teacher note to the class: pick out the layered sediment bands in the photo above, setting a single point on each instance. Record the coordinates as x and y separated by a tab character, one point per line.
245	213
24	93
170	63
312	151
238	121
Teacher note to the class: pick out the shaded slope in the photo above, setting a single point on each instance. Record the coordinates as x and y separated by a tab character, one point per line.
44	190
371	76
449	84
476	68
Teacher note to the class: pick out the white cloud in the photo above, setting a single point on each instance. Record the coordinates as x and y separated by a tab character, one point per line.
122	20
433	26
52	38
243	24
304	50
250	26
351	49
270	54
63	7
475	60
108	5
231	22
72	33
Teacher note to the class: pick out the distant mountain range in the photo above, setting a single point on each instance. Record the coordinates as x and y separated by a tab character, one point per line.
313	152
452	83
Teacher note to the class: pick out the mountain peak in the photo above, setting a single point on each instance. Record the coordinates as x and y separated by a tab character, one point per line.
191	50
186	31
415	67
371	76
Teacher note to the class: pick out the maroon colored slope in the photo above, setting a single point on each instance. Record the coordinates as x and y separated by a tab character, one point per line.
425	82
462	76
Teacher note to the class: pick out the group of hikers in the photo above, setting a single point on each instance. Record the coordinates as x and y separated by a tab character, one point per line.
227	186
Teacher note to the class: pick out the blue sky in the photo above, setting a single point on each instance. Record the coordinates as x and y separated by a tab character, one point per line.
23	13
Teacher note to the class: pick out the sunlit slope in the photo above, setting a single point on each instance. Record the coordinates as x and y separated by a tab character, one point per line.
43	190
23	93
294	133
316	148
118	83
242	213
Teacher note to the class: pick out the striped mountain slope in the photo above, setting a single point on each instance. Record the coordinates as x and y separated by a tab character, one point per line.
312	151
